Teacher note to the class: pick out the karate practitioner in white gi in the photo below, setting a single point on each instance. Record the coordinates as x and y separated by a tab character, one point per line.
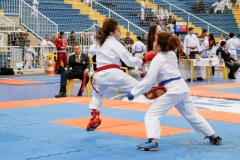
29	53
232	46
191	43
164	72
109	51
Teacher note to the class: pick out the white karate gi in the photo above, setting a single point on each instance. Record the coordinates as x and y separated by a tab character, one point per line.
238	40
35	8
204	46
163	67
29	53
143	6
232	46
165	14
110	53
137	49
191	41
142	14
219	6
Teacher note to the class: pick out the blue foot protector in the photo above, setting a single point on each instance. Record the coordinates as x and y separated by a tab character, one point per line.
148	146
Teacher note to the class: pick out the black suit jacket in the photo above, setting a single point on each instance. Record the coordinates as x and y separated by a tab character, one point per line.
224	54
81	66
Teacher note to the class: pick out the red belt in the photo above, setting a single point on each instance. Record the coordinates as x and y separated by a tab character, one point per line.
109	66
192	47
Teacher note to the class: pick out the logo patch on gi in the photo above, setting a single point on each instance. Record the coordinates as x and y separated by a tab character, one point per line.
210	62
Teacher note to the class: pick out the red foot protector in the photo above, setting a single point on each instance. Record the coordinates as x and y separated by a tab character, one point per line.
95	121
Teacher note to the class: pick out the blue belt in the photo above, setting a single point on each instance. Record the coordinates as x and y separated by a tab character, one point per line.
168	81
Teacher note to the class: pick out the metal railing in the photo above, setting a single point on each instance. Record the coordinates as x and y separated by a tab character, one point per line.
131	27
6	23
10	7
36	22
190	17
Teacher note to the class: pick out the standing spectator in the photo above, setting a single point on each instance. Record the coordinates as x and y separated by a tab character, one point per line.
238	40
203	38
78	65
232	46
46	46
231	63
165	14
222	38
20	41
153	31
212	48
71	41
143	6
53	40
144	38
128	42
158	13
138	48
61	45
35	8
29	54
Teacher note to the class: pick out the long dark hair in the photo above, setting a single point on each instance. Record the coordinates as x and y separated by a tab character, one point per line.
109	25
151	37
211	40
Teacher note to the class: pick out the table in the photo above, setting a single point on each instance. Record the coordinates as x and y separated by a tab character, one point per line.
207	62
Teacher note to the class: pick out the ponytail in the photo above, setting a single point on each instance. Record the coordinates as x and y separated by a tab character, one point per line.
109	25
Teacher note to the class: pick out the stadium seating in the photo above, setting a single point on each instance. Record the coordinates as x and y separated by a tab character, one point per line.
68	19
225	21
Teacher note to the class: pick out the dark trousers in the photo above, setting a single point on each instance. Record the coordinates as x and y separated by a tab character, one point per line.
233	66
61	56
72	74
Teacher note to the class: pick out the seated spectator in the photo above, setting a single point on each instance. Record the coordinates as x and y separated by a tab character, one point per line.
231	63
128	42
232	3
134	14
218	6
109	3
78	65
195	7
201	6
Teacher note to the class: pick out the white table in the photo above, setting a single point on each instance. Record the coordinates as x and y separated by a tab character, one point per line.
206	62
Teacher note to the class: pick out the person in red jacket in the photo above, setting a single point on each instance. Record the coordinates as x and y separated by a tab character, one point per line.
61	45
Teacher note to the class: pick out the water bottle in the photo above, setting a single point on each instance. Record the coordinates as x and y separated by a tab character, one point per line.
219	55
